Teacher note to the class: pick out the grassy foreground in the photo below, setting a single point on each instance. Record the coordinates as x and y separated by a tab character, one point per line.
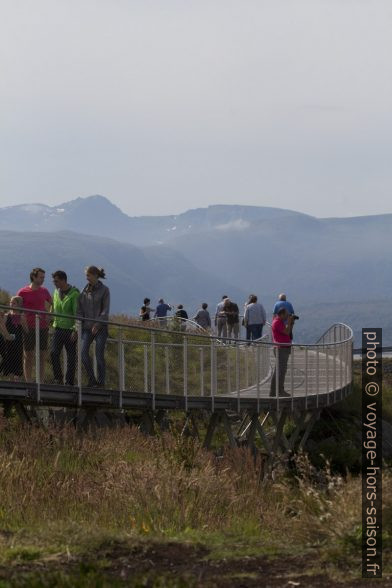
116	508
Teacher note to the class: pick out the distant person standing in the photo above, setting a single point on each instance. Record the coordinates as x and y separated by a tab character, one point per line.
35	297
65	302
281	329
255	318
145	310
161	311
250	297
233	320
94	307
282	302
202	317
221	318
182	315
15	323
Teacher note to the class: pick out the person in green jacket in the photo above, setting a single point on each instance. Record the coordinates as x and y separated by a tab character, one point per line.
65	302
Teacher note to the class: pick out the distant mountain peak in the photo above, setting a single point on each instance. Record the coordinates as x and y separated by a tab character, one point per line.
95	199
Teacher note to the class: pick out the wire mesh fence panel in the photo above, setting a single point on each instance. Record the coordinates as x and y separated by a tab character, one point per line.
126	356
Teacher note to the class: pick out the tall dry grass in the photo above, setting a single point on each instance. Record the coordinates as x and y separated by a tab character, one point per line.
120	480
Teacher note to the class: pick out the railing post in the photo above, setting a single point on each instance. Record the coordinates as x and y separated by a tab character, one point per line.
341	365
95	367
121	366
306	377
247	365
317	376
238	375
167	370
258	375
277	359
292	376
145	354
327	371
79	351
185	362
38	357
228	375
201	371
212	374
153	369
334	372
65	364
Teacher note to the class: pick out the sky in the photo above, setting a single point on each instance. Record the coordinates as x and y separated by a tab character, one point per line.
166	105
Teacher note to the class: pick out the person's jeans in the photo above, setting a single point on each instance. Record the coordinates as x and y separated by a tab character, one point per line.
100	342
282	360
221	323
63	338
254	332
233	330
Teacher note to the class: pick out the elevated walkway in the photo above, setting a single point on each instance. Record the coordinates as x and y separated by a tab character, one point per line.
156	369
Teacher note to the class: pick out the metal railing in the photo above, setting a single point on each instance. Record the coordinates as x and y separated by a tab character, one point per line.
135	357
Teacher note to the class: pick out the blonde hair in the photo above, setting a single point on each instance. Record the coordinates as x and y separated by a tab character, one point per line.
17	299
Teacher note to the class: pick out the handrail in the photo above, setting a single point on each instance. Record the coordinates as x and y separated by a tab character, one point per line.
153	360
184	333
178	319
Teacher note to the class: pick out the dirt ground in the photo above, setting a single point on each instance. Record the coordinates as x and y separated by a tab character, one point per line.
171	564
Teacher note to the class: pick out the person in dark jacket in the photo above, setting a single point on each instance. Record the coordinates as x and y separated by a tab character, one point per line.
93	308
202	317
145	310
15	323
182	316
233	321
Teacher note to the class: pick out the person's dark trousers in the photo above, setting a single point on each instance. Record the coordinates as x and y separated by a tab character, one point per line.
63	338
282	360
100	343
254	332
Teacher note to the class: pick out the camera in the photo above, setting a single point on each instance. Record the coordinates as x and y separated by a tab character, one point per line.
295	317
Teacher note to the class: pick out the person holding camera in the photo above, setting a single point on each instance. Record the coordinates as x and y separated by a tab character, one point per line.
282	302
281	328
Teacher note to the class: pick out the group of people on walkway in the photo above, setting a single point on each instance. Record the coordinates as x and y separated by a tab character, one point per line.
21	331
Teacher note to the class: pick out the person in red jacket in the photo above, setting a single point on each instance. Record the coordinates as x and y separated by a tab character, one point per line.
281	328
35	297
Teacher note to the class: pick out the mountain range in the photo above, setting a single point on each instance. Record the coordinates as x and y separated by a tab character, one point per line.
329	267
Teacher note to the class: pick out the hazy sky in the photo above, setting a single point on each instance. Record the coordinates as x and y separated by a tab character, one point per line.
165	105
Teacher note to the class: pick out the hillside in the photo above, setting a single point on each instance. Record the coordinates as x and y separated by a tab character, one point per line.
133	273
332	269
110	221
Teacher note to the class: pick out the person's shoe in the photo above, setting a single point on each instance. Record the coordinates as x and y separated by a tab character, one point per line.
92	384
282	394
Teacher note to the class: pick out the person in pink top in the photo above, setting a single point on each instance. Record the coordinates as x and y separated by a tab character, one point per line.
281	327
35	297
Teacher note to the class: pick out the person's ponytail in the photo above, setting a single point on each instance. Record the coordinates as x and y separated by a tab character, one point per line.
96	271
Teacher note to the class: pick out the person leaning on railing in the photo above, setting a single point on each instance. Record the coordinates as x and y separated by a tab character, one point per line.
254	319
221	318
281	328
93	307
64	306
15	325
202	317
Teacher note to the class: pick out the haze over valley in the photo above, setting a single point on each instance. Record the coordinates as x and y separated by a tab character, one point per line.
332	269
